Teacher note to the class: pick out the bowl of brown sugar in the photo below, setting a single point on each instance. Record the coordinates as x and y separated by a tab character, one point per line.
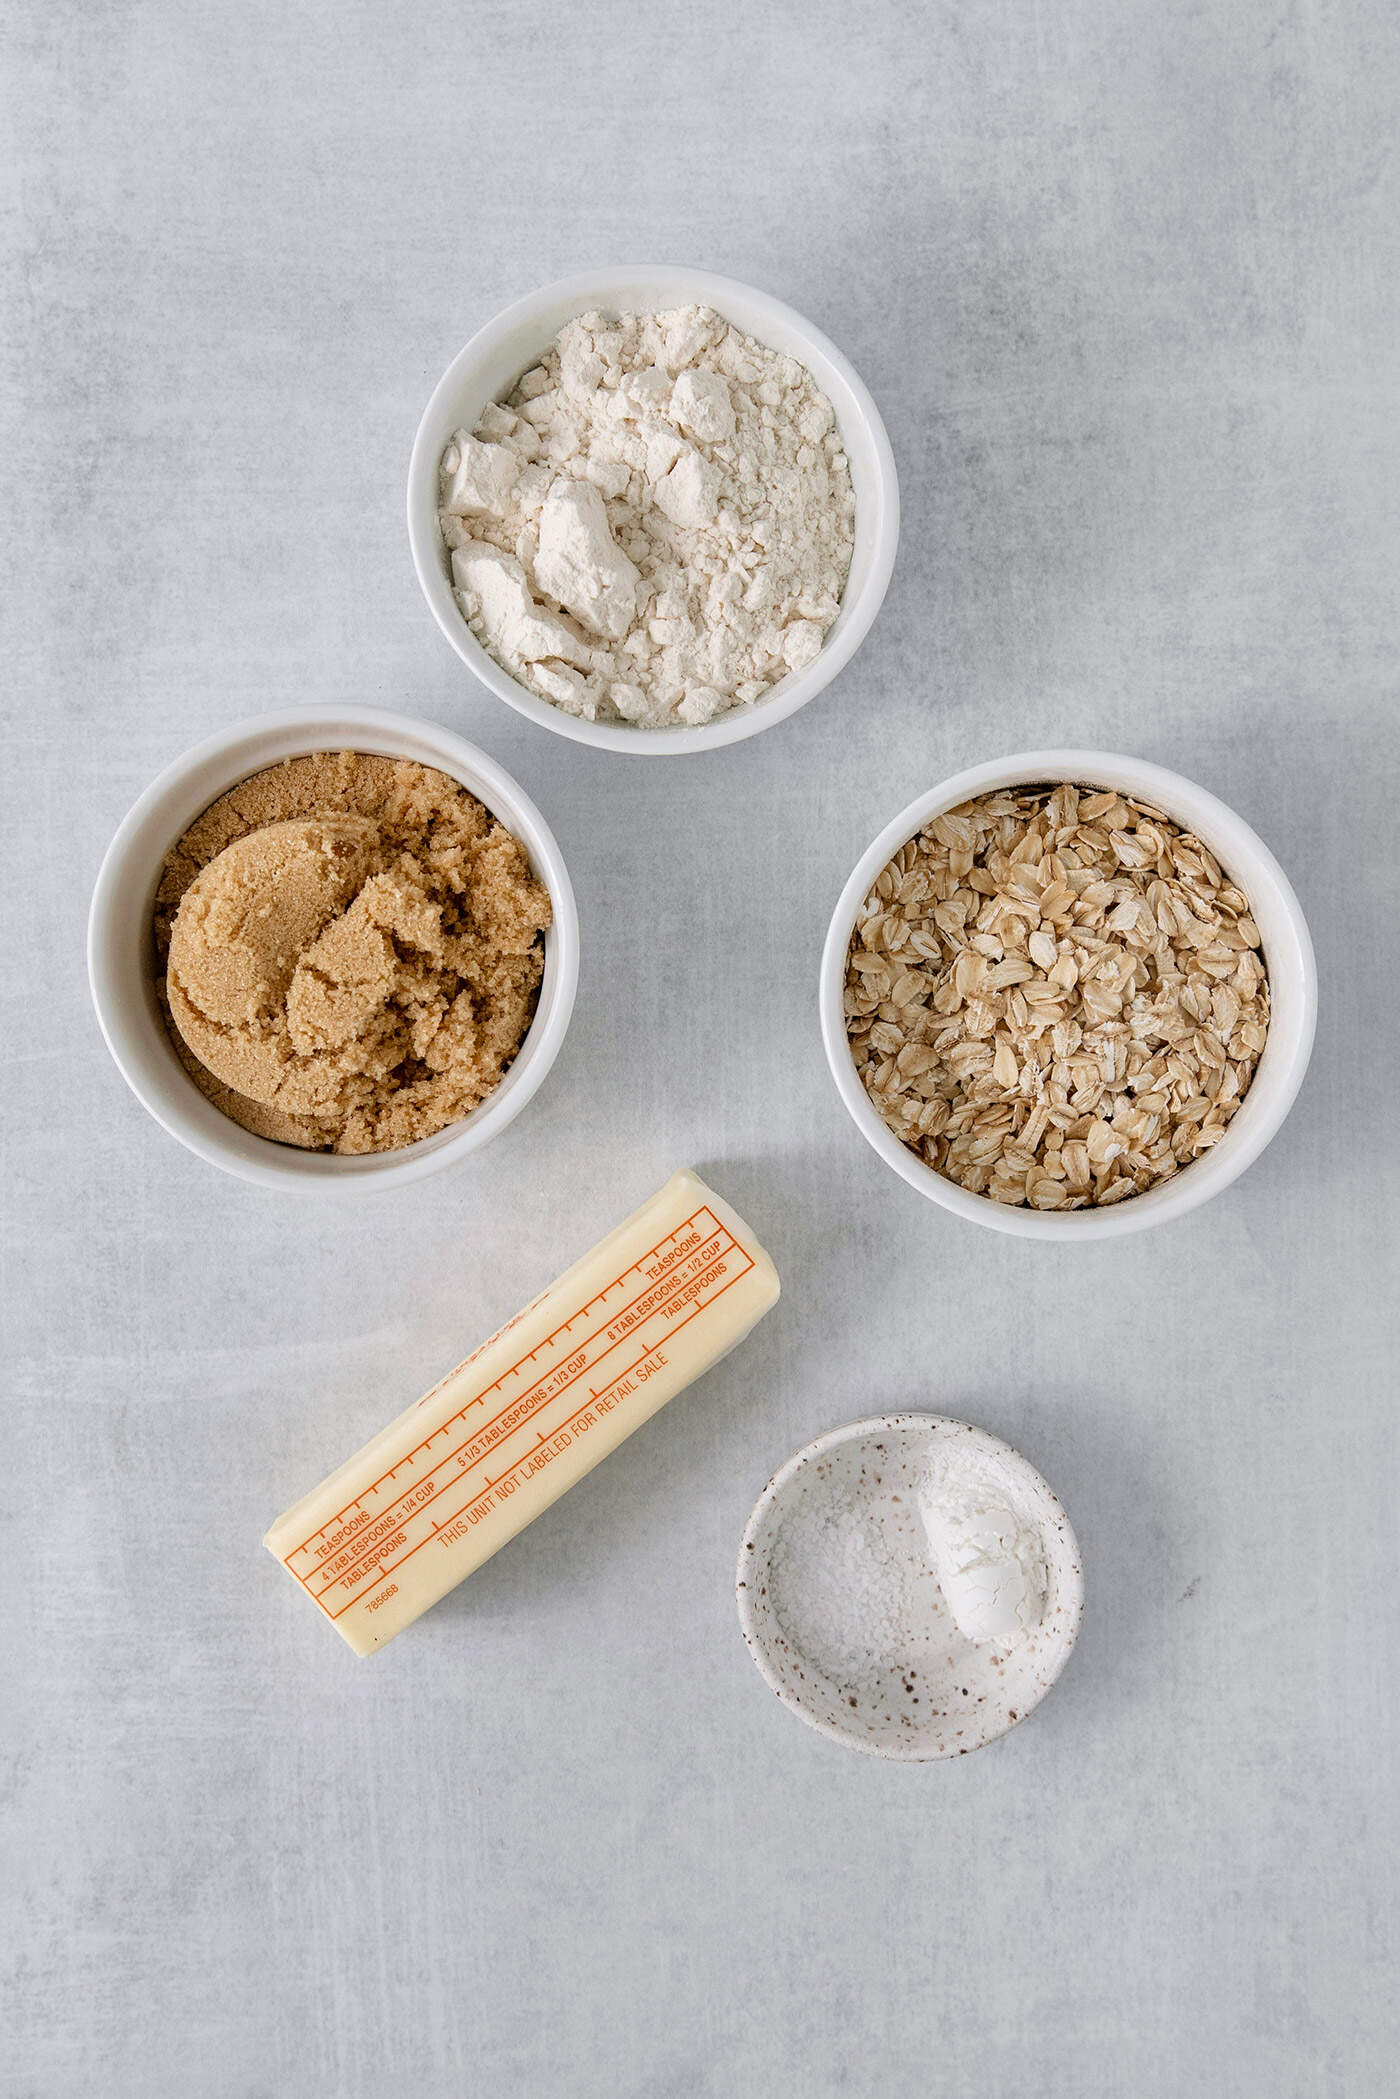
334	946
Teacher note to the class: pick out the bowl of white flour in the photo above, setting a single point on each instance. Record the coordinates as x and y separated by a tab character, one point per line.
654	510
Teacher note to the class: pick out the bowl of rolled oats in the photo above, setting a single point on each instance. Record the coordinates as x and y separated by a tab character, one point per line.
1068	995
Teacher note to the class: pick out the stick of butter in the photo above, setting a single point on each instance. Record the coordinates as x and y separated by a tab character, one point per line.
507	1432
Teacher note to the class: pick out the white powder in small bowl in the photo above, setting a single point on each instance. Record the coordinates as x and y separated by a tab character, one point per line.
841	1593
991	1564
866	1580
657	524
855	1586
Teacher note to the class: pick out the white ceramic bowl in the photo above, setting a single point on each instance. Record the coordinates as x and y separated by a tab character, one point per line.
122	962
1287	952
839	1600
490	365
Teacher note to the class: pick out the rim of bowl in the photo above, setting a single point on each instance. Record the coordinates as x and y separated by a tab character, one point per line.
888	1424
124	894
855	411
1288	952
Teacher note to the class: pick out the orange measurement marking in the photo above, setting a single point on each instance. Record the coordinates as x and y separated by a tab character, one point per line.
394	1516
597	1298
393	1565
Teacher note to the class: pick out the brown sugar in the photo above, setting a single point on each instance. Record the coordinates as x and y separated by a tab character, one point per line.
351	950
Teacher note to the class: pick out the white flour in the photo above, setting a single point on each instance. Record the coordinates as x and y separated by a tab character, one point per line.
657	525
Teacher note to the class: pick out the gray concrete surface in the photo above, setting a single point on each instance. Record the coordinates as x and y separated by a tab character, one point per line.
1122	278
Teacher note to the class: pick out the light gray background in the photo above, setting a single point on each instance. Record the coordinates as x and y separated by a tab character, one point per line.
1121	277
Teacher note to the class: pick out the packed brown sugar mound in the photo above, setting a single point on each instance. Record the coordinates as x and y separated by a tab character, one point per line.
352	949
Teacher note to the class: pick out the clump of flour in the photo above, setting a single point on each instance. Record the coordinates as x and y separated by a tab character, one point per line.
657	524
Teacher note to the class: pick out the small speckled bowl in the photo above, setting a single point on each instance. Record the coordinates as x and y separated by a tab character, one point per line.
840	1604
